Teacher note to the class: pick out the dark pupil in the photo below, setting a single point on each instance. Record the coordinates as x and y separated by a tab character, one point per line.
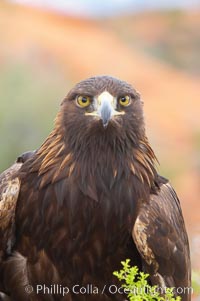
123	99
84	99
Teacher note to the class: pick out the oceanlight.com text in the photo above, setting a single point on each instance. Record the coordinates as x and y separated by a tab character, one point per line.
90	289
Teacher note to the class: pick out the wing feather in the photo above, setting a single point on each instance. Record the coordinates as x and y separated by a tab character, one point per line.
160	236
9	191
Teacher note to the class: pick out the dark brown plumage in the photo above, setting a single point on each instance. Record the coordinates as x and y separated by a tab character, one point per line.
90	197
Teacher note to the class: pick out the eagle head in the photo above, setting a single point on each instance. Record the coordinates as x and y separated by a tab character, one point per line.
103	105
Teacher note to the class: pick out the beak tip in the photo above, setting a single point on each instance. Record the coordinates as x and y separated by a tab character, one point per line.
105	121
106	116
105	124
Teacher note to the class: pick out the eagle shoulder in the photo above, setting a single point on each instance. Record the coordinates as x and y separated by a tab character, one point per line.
9	192
160	237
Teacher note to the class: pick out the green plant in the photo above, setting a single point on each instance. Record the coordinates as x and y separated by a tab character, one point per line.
136	286
196	282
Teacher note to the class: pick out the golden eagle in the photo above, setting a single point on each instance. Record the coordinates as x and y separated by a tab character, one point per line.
87	199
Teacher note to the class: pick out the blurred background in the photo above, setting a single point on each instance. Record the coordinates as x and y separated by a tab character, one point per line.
47	46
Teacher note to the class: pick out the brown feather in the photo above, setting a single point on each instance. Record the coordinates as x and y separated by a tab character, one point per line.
9	191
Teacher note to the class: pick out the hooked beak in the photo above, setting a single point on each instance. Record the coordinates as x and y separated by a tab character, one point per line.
106	108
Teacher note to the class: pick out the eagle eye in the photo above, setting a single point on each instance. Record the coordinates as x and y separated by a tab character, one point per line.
124	100
83	101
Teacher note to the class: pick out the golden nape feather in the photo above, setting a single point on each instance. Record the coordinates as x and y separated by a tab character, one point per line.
87	199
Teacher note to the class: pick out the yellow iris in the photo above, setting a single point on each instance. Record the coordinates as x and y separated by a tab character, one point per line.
83	101
124	100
